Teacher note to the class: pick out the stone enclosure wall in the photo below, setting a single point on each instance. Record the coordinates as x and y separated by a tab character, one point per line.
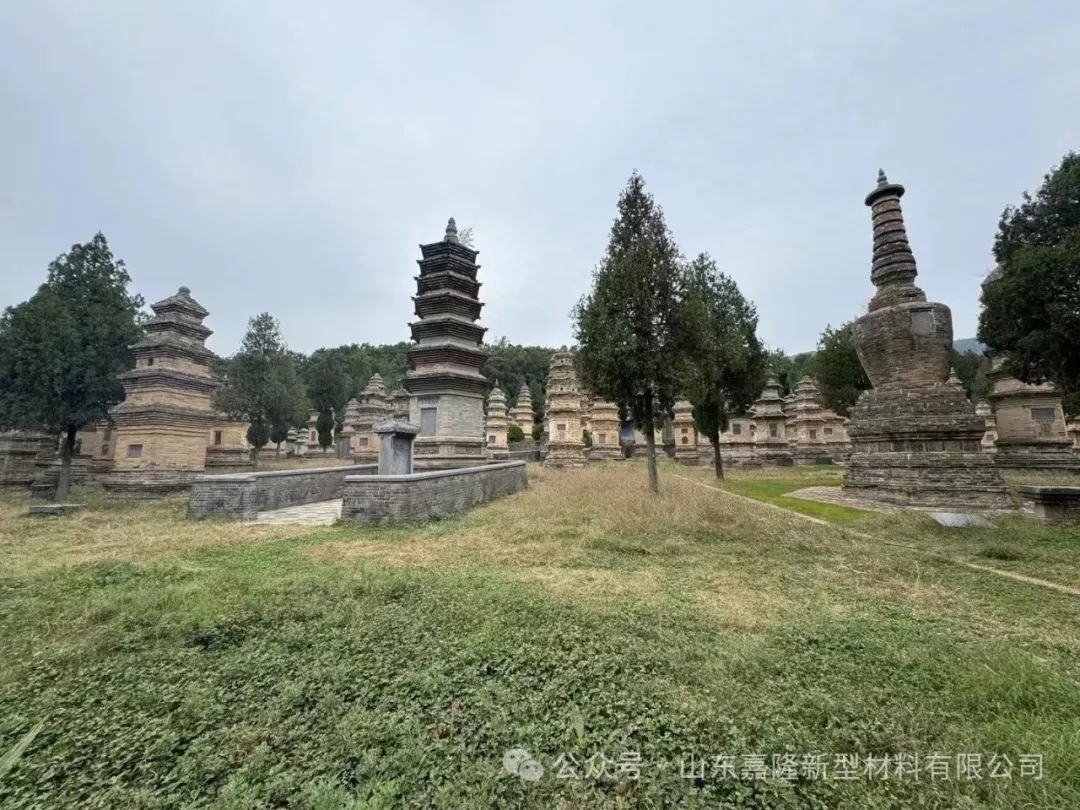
427	495
242	496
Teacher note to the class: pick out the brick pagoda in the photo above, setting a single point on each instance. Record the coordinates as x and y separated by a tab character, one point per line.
161	430
446	388
497	448
373	407
565	447
915	438
686	441
770	441
522	412
605	431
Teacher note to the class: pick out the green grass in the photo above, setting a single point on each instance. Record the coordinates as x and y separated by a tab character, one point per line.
213	665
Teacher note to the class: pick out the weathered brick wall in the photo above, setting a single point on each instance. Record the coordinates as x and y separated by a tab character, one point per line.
243	496
423	496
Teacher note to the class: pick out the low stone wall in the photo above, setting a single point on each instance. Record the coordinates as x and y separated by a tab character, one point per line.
525	454
242	496
427	495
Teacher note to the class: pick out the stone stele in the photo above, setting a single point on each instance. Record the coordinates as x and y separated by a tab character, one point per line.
915	437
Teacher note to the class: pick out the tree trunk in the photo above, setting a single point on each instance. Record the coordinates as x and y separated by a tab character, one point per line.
650	457
719	462
67	450
254	458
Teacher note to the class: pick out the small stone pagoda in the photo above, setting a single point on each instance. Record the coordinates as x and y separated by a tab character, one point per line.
497	448
770	441
816	434
915	438
343	439
605	431
161	430
686	440
446	388
1031	434
522	412
373	408
565	447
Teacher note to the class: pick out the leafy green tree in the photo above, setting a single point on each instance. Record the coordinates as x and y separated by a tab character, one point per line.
1031	301
328	389
789	370
61	351
722	362
538	431
972	369
627	326
262	386
514	433
513	365
837	369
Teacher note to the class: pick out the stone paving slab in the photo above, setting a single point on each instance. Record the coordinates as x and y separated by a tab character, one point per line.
321	513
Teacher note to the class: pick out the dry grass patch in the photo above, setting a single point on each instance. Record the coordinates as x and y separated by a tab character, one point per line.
117	531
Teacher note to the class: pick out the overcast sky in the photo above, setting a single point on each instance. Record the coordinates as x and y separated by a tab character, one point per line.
290	157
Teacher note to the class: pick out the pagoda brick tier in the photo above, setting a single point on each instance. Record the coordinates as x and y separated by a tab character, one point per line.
373	408
915	437
565	447
606	432
816	434
162	428
445	386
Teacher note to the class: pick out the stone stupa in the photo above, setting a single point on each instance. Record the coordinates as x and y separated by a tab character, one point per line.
915	437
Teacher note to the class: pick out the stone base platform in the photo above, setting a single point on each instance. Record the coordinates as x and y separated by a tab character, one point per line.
147	484
954	480
55	509
1050	504
1041	459
606	451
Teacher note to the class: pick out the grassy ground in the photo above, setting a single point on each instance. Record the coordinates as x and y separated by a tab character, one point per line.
233	666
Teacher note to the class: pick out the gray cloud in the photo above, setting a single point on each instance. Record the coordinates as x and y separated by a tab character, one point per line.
284	158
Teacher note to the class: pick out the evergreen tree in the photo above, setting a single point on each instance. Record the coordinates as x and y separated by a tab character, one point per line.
61	351
262	386
789	370
328	388
722	362
838	370
627	326
1031	302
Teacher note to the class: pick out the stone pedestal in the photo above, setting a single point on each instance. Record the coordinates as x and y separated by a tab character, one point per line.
916	439
20	453
396	447
1050	504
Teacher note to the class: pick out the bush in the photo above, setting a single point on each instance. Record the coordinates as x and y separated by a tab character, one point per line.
538	431
514	433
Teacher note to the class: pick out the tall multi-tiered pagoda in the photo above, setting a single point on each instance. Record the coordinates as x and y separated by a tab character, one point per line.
446	388
916	440
161	430
565	447
816	433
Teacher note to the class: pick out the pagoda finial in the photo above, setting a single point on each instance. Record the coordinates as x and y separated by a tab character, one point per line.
451	232
184	291
893	267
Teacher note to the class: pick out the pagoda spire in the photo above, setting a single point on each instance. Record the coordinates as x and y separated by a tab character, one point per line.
893	268
451	232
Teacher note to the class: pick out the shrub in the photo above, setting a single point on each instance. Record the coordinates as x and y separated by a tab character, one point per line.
514	433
